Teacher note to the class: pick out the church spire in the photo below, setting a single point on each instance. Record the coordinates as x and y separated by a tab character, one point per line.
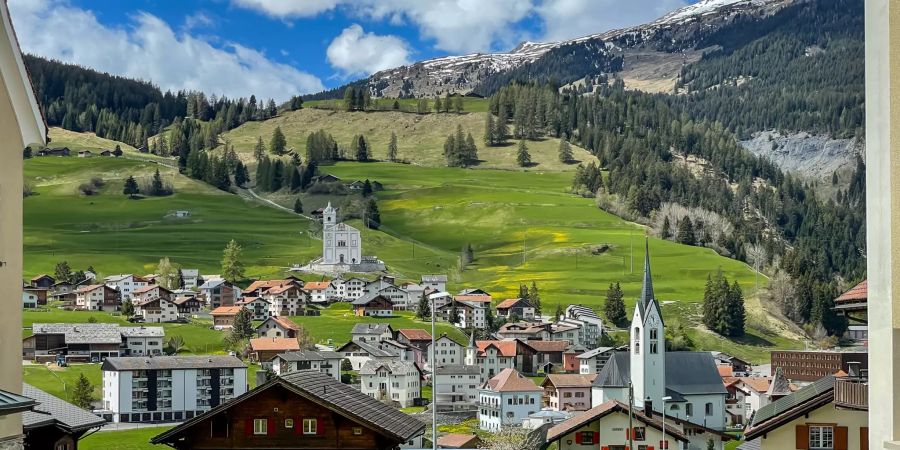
647	287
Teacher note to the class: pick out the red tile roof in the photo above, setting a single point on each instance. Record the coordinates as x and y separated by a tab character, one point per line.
508	303
415	334
274	343
456	440
226	311
472	298
725	371
507	348
570	380
317	285
601	411
509	380
89	288
266	284
858	293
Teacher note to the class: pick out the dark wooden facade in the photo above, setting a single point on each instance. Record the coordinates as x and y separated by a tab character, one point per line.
284	412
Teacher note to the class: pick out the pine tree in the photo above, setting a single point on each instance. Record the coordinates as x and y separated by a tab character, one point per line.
666	232
156	184
127	308
373	217
501	129
448	101
423	311
367	188
242	327
565	151
118	151
83	393
276	174
534	297
523	158
437	104
63	272
736	315
232	265
131	187
296	180
489	130
362	149
349	98
298	206
686	232
392	148
471	151
241	177
454	313
615	304
458	104
259	150
278	143
558	313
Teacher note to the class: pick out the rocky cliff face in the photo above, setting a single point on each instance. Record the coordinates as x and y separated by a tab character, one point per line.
814	156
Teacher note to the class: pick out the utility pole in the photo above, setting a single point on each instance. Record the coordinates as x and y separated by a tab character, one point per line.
433	384
630	415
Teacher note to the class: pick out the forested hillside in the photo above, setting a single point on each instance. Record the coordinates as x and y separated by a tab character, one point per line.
800	70
127	110
701	187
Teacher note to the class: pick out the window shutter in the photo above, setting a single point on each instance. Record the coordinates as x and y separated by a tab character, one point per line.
270	426
802	433
840	438
578	437
863	438
596	437
604	448
320	425
298	425
628	433
249	427
650	447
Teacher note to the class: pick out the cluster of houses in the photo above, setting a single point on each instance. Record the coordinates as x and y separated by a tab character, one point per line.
65	151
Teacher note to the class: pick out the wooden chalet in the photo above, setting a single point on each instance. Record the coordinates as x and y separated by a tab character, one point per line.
301	410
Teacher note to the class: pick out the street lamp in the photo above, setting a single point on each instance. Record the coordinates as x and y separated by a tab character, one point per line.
665	443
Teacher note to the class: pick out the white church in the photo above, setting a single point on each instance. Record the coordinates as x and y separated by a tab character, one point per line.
685	385
341	249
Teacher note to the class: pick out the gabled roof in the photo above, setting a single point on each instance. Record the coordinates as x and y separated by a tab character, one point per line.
11	403
150	288
266	284
317	285
687	373
283	322
368	297
791	406
28	116
592	353
569	380
212	284
329	393
414	334
372	350
52	411
549	346
43	275
309	355
226	311
858	293
91	287
457	369
394	367
372	328
510	302
509	380
600	411
507	348
274	344
779	385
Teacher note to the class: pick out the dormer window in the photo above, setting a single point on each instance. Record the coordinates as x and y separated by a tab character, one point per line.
653	333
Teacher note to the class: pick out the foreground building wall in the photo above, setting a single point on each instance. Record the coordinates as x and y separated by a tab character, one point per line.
883	217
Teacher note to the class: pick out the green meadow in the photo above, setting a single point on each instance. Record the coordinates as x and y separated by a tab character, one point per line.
134	439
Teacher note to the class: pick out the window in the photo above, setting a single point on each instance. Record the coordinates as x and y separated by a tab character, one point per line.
653	333
653	348
689	409
709	409
289	423
587	437
260	426
309	426
821	437
640	433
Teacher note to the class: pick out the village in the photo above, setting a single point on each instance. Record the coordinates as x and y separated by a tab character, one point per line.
517	368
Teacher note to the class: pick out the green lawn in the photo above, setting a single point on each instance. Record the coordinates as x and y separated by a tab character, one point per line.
60	381
135	439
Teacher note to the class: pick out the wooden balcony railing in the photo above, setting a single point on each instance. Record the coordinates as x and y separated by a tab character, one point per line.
851	393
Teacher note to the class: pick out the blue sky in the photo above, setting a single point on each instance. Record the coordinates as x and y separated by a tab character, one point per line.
278	48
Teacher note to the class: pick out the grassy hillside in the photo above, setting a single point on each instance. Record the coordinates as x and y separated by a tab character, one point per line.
420	138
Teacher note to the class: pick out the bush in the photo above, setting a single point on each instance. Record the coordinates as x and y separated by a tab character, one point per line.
27	190
87	189
97	182
335	188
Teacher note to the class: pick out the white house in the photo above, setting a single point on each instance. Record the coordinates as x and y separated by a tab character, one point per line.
169	388
328	363
353	289
341	243
435	282
512	308
142	341
449	353
690	380
287	300
397	381
397	296
319	292
359	353
506	399
191	278
492	357
592	361
470	314
457	386
29	299
258	306
218	292
97	297
371	332
125	284
156	310
277	326
591	323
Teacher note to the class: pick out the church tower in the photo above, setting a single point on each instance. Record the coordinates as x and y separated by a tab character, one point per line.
329	216
648	344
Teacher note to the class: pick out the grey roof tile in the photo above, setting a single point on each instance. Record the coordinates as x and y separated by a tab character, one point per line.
171	362
51	410
687	373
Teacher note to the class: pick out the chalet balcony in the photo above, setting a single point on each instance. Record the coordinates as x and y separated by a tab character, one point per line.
851	393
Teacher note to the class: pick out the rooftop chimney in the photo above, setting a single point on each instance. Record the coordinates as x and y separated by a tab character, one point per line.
648	407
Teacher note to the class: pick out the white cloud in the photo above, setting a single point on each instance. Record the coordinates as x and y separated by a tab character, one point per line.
459	26
566	19
197	20
149	49
284	9
356	52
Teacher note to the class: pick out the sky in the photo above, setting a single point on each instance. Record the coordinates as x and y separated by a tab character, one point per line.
279	48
